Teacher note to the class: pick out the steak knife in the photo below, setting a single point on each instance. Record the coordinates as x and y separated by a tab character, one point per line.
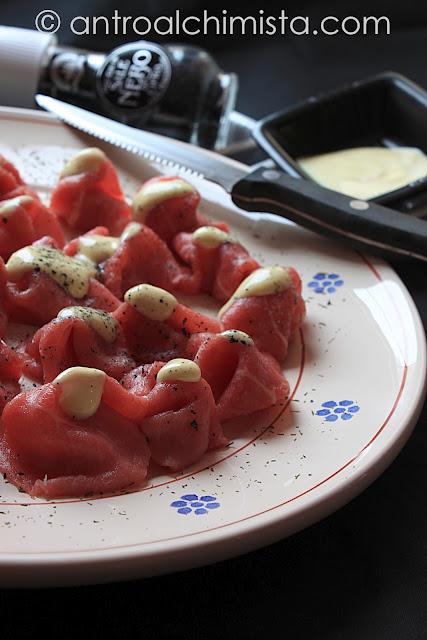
365	226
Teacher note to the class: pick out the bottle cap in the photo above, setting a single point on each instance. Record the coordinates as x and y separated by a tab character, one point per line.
22	54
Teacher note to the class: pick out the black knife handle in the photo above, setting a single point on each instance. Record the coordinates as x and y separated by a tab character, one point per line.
364	225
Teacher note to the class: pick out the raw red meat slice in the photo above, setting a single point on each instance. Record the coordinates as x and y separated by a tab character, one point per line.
9	177
195	341
49	454
271	320
189	322
142	257
36	298
23	299
45	223
217	270
3	313
150	339
3	320
168	204
10	372
244	381
89	194
142	379
11	183
24	220
70	341
16	228
21	190
181	421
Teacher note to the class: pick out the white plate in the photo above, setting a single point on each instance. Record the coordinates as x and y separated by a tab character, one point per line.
362	342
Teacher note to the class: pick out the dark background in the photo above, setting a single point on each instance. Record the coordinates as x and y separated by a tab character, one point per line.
362	572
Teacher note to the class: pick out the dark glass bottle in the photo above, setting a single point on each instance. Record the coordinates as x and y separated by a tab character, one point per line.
176	90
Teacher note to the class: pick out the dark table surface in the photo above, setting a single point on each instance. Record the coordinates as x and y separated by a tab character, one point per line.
359	574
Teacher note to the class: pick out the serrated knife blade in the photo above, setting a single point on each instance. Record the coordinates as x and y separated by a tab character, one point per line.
182	157
364	225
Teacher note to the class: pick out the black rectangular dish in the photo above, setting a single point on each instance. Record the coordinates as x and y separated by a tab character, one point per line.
384	110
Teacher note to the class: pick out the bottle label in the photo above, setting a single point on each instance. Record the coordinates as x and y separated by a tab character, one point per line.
134	76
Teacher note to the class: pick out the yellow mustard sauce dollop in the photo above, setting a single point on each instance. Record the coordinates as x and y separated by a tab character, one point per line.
86	161
179	369
152	302
131	230
236	336
81	391
210	237
262	282
8	207
71	274
100	321
98	248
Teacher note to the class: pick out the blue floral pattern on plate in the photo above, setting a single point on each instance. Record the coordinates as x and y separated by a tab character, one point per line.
326	282
192	503
332	411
